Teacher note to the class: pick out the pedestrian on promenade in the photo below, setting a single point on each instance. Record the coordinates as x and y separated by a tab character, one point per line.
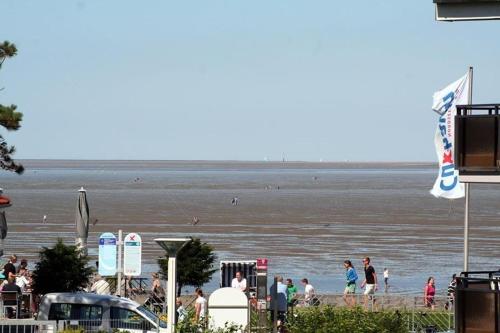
452	287
370	281
429	293
157	291
350	288
200	306
309	293
181	312
386	279
278	293
291	291
239	282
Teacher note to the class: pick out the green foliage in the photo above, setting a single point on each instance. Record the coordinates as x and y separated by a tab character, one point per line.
72	330
328	319
61	269
10	119
7	50
188	325
194	264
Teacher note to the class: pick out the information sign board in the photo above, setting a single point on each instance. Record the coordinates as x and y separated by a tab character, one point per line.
132	250
107	254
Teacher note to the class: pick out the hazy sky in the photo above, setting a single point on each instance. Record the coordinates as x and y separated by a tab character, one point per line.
243	80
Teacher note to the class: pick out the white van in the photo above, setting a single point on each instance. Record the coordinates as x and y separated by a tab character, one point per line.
99	313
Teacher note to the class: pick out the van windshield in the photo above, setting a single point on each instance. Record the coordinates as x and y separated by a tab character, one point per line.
152	316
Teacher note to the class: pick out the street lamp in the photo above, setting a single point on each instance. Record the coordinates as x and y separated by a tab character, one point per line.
172	246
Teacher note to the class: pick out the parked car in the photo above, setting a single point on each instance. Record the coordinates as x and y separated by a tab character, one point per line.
99	313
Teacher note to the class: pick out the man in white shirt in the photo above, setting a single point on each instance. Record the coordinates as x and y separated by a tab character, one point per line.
239	282
309	292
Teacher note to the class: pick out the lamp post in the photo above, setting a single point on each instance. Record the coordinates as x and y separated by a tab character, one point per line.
172	246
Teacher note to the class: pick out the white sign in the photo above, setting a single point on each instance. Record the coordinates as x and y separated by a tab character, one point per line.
132	250
228	306
107	254
444	102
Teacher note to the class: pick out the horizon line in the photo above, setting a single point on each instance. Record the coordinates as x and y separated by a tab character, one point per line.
223	160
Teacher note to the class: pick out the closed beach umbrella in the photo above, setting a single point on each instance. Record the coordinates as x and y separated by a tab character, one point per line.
3	230
82	221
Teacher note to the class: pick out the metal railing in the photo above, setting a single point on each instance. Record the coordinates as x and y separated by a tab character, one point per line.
28	326
107	325
415	312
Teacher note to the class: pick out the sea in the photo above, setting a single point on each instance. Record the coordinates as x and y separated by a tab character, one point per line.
305	218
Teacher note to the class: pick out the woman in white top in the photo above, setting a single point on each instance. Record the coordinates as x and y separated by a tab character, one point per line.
21	280
200	305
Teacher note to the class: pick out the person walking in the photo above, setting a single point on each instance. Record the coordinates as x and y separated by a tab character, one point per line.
370	282
429	293
278	292
386	279
450	295
350	288
180	312
157	292
291	291
309	293
200	306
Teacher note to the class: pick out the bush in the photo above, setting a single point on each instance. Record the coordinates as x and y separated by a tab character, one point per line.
61	269
328	319
188	325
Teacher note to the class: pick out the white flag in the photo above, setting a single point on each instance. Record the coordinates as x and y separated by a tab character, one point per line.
444	102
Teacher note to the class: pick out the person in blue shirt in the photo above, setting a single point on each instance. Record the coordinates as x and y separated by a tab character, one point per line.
350	288
279	289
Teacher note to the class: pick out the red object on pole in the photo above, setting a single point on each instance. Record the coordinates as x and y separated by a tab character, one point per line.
262	264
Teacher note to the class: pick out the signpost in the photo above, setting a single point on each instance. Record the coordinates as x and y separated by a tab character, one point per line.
132	249
110	265
107	254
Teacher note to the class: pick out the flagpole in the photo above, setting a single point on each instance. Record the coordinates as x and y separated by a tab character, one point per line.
467	190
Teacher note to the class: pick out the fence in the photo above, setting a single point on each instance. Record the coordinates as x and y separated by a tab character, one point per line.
418	316
27	326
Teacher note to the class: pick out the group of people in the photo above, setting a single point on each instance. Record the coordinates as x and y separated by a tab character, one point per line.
16	280
16	275
370	281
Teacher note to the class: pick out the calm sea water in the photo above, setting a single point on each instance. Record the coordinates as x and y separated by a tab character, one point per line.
305	217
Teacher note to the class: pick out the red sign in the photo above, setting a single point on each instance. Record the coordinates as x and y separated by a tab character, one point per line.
262	264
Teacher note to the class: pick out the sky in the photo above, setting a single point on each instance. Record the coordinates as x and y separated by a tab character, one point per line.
236	80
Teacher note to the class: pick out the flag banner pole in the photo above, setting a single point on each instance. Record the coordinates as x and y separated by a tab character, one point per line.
467	190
